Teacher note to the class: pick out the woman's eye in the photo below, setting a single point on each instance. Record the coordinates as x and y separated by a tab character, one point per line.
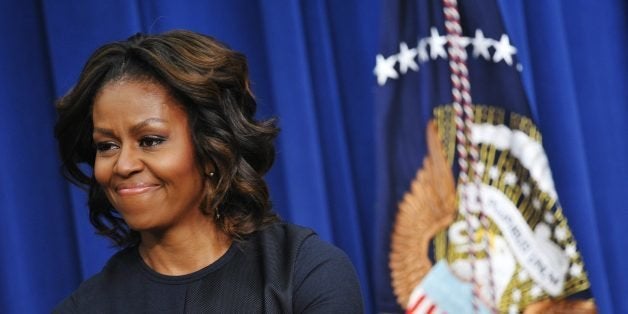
105	146
151	141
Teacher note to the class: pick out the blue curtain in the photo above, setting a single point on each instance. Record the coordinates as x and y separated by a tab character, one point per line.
311	65
577	51
578	57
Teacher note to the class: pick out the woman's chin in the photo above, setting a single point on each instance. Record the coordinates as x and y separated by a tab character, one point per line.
141	224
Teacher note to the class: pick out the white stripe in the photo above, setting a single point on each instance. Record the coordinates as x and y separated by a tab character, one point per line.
417	292
425	305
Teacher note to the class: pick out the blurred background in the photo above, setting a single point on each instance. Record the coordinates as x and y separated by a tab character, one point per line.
312	65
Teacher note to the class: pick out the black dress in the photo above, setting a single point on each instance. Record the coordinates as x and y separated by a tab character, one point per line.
281	269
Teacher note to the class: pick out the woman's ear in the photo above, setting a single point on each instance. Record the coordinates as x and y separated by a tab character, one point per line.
209	177
209	170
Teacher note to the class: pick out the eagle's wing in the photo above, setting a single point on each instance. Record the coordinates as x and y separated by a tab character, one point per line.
427	208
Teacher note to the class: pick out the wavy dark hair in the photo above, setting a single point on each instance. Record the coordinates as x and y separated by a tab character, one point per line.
211	82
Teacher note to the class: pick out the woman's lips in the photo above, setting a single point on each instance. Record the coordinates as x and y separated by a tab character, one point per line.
125	190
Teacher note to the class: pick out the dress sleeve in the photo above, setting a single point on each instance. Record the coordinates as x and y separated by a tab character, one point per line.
325	280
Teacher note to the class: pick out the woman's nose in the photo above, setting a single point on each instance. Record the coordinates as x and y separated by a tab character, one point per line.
128	161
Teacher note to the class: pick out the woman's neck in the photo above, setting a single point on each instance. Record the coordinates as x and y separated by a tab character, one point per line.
184	251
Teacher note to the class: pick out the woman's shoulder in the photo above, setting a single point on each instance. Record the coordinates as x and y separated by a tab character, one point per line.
92	289
282	233
322	276
296	242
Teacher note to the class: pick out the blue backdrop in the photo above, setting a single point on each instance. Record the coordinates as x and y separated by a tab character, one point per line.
311	65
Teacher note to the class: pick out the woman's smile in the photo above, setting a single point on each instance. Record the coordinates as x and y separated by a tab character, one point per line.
127	189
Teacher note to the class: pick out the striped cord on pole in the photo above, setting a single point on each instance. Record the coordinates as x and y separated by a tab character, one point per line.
466	149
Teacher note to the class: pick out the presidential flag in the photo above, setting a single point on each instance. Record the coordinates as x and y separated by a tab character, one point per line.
470	220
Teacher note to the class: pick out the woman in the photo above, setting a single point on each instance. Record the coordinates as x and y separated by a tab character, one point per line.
166	122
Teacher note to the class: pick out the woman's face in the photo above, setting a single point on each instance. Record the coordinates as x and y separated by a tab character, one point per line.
145	157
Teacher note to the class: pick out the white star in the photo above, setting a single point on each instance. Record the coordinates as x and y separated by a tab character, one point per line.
437	44
462	41
516	295
479	167
560	233
570	250
575	270
522	276
504	50
423	56
525	189
384	69
481	45
510	178
536	204
536	291
493	173
549	217
406	58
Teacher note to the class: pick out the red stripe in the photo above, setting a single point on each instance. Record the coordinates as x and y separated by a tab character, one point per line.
431	309
416	304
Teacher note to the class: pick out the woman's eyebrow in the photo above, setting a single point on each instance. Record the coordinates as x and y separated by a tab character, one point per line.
134	129
103	131
139	126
